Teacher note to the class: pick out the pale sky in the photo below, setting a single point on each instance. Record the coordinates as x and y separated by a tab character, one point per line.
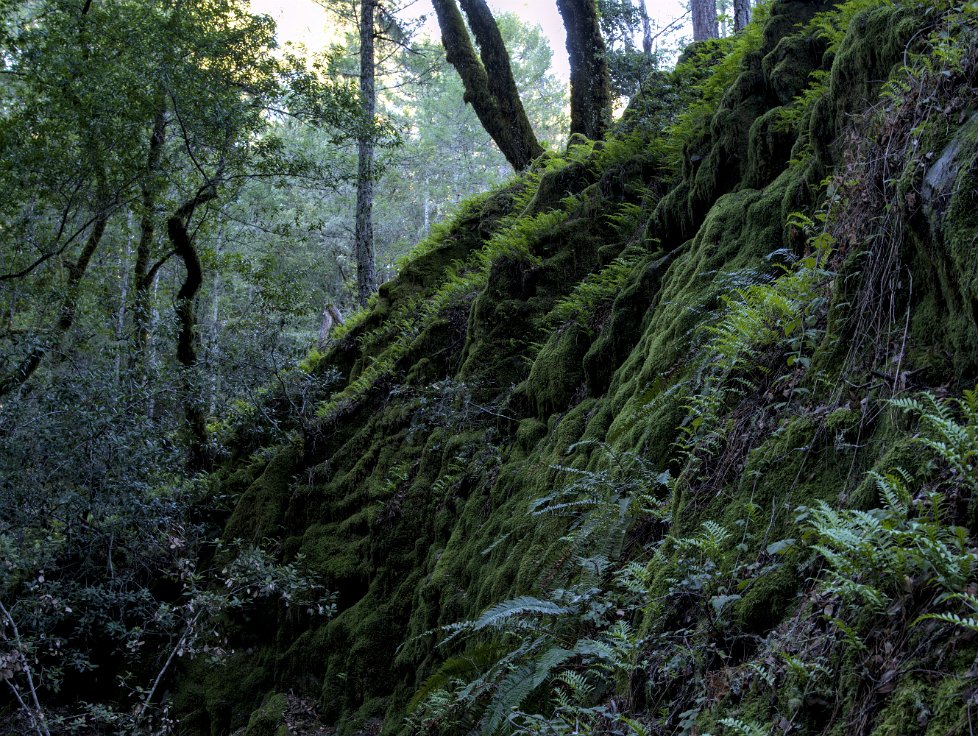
304	21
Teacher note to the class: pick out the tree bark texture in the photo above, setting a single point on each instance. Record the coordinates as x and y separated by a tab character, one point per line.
364	230
488	78
741	14
705	22
590	84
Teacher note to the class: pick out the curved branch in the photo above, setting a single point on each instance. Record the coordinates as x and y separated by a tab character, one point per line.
183	247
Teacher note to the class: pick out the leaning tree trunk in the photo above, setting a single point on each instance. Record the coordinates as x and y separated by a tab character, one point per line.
330	319
741	14
590	84
364	233
489	84
705	22
501	82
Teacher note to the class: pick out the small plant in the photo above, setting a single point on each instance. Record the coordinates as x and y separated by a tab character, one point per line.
722	59
793	116
598	288
950	440
710	567
603	504
578	639
874	555
742	728
784	311
832	25
767	324
968	621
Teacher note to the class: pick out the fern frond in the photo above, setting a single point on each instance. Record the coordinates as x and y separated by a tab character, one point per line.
524	605
518	685
966	622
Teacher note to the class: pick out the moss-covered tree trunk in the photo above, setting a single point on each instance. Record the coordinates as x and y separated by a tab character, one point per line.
590	83
364	230
705	22
488	78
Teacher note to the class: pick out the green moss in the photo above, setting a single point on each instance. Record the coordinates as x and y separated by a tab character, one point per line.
529	433
843	422
789	65
918	706
263	505
947	311
269	719
875	40
769	149
217	699
557	374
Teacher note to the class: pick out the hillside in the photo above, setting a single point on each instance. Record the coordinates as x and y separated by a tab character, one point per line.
671	435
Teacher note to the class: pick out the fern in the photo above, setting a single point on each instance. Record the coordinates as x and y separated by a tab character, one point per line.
502	612
953	441
454	669
596	289
742	728
791	117
969	621
870	555
547	633
518	685
602	504
832	25
773	316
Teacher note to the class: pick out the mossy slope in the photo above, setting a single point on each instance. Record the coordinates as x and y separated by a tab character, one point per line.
556	323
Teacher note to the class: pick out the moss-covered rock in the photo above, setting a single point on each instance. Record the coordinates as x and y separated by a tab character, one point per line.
269	719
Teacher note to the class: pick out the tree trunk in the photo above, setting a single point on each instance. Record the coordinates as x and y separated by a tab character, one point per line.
67	310
705	22
741	15
120	319
149	359
590	84
489	84
364	233
646	27
144	276
214	336
183	248
499	72
331	318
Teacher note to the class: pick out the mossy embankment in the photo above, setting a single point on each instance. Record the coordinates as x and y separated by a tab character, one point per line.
577	317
